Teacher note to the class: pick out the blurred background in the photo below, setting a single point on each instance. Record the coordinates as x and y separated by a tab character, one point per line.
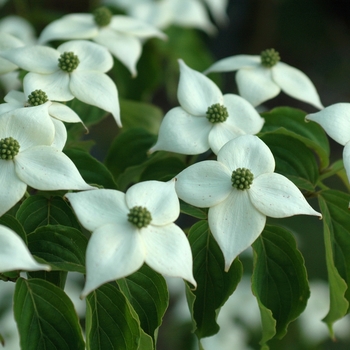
311	35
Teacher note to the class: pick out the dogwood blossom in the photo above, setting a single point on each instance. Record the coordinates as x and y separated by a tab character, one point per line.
335	120
260	78
206	118
240	189
27	157
130	229
57	111
121	35
8	42
14	254
75	69
162	14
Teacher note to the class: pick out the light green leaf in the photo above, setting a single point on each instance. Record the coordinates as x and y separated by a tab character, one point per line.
38	211
291	122
61	246
214	284
110	321
148	294
45	317
336	218
279	281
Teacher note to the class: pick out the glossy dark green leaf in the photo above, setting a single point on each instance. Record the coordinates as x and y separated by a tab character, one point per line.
92	171
12	223
291	122
279	281
214	285
293	159
38	211
148	294
336	219
190	210
61	246
110	321
45	317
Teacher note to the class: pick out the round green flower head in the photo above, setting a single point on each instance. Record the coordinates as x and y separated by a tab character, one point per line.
9	148
68	62
37	97
217	113
242	178
102	16
269	58
139	216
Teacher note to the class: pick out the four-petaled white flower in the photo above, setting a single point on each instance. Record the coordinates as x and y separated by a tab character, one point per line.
121	35
27	157
162	14
75	69
8	42
206	118
335	120
57	111
130	229
240	189
14	254
260	78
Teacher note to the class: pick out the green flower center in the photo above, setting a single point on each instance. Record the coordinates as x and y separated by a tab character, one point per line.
102	16
242	178
68	62
269	58
217	113
139	216
37	97
9	148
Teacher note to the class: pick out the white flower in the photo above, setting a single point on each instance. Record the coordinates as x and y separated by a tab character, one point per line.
18	27
260	78
14	254
241	189
162	14
27	158
130	229
206	118
57	111
75	69
121	35
335	120
8	42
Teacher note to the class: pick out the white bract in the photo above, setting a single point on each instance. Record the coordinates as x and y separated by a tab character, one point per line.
131	229
27	157
162	14
57	111
206	118
260	78
335	120
8	42
14	254
81	75
18	27
121	35
240	189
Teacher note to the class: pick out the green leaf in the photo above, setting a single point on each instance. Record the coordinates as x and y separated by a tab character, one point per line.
148	294
293	159
140	114
38	211
214	285
61	246
92	171
336	218
291	122
190	210
279	281
110	321
12	223
45	317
